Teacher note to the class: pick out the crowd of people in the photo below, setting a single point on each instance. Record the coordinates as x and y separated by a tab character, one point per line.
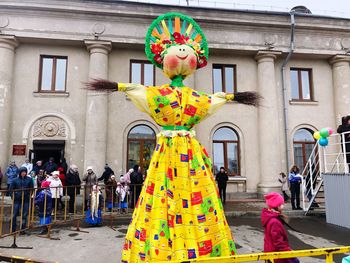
48	183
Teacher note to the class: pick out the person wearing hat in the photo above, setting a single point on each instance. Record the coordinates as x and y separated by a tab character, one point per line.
122	192
272	219
90	179
21	188
73	185
11	173
108	172
44	202
56	188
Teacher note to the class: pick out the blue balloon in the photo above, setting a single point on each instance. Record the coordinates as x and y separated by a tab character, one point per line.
323	141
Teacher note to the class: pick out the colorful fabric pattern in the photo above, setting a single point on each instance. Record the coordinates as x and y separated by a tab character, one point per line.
179	214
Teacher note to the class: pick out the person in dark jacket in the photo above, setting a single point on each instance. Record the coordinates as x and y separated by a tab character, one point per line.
50	166
21	189
63	165
272	219
294	182
43	201
222	179
136	179
345	128
73	183
106	174
38	166
11	173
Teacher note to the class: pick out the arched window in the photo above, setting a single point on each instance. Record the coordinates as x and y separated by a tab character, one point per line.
226	151
303	143
141	143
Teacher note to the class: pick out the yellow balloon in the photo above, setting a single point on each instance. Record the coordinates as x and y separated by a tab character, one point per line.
317	135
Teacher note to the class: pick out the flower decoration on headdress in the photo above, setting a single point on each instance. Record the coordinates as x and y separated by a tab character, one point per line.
175	29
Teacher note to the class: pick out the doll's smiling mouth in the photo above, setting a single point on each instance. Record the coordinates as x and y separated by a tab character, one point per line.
182	58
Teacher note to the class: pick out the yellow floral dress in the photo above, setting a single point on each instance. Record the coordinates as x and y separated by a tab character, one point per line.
179	215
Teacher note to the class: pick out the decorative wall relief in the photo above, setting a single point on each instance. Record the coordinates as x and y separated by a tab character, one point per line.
49	127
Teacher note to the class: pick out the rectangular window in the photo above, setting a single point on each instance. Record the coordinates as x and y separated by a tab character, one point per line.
53	73
142	72
301	83
224	78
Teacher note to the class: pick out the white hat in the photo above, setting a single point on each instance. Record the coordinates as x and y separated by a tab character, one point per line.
55	173
88	168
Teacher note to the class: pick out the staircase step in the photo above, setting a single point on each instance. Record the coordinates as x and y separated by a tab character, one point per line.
241	195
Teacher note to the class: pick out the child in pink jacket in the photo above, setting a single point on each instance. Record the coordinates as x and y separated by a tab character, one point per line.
272	219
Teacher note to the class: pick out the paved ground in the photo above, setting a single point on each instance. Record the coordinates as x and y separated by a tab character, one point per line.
103	244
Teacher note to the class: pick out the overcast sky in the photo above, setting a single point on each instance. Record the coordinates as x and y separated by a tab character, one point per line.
337	8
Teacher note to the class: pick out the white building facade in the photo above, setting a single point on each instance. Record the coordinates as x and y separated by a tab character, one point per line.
48	49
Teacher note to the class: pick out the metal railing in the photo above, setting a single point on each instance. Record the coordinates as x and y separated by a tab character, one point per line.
334	158
21	210
270	257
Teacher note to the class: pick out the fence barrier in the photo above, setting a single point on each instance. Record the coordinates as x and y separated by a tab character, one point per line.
17	259
270	257
27	209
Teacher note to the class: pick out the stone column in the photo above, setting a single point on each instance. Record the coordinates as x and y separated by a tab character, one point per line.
269	139
96	108
7	57
341	85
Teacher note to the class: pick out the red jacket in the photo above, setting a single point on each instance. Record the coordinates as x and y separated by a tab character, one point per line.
275	236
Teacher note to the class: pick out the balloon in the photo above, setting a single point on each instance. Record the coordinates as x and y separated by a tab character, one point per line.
330	131
323	141
324	133
317	135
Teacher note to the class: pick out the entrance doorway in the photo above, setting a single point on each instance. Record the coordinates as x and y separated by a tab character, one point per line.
44	149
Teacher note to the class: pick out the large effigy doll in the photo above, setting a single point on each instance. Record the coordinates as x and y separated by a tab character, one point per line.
179	215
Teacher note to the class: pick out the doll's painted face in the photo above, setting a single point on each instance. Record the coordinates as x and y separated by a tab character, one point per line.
179	60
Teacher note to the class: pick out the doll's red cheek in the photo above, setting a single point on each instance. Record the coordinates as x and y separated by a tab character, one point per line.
171	62
193	62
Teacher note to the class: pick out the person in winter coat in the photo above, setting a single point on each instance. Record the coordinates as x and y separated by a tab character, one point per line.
272	219
122	192
127	176
50	166
41	177
73	185
108	172
38	166
110	193
343	128
27	164
43	201
295	182
136	180
63	165
284	185
11	173
56	190
90	179
95	204
222	179
21	188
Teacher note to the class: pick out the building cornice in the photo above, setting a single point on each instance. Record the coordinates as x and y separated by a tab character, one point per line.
126	24
201	14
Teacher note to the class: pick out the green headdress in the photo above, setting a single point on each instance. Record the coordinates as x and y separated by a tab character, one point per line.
175	29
